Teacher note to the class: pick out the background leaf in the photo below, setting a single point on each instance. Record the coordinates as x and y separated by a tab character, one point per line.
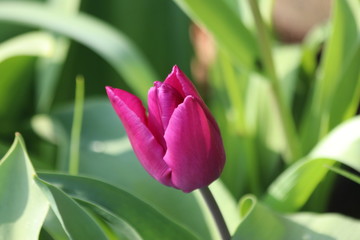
221	21
118	50
294	186
338	50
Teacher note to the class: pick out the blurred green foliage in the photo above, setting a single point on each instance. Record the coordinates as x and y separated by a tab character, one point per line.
288	116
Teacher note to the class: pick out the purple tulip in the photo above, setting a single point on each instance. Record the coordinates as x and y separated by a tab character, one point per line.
178	142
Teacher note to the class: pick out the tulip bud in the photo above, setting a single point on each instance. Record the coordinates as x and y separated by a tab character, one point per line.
178	142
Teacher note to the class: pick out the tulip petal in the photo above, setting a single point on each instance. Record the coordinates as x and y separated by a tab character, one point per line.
131	101
154	120
178	80
162	101
195	152
147	149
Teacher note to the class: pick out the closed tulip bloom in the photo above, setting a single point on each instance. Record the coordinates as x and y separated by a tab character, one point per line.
178	142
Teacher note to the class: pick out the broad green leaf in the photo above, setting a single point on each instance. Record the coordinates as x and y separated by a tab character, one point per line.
226	27
77	223
337	53
53	227
23	207
105	153
110	44
260	222
295	185
117	228
149	223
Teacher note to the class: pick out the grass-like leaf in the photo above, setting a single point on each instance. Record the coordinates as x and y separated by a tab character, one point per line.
336	56
345	173
226	27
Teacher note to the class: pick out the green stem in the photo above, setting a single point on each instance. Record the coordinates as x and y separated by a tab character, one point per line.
216	213
284	113
76	127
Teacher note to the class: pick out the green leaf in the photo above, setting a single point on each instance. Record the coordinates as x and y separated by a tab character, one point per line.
346	174
15	72
226	27
23	207
117	227
345	99
28	44
53	227
114	47
295	185
260	222
77	223
336	59
48	69
149	223
332	226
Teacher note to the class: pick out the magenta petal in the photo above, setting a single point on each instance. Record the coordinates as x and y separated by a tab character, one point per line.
131	101
195	152
178	80
154	120
149	152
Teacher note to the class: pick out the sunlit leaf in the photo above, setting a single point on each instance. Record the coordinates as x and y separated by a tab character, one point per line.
23	207
295	185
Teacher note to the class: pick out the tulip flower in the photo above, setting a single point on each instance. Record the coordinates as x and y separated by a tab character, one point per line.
178	142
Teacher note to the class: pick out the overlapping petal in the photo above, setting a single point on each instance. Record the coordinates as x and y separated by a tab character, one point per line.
195	151
149	152
178	80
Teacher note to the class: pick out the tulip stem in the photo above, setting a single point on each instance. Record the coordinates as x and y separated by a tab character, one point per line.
216	213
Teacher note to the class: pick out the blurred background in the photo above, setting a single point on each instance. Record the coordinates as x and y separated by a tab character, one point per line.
130	44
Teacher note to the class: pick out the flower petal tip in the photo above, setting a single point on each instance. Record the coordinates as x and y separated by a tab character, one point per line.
109	91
